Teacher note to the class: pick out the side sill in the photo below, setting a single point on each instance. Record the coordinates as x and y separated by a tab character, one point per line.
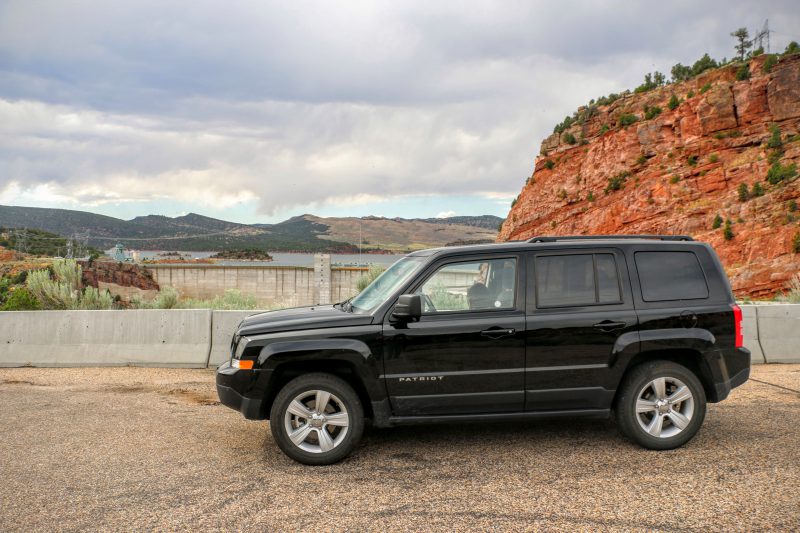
492	417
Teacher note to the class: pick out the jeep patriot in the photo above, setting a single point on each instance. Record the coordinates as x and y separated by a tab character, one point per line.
641	327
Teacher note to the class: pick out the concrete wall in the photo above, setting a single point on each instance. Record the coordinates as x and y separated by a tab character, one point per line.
200	338
172	338
287	286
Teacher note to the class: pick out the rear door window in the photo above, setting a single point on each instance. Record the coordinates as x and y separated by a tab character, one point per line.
666	276
568	280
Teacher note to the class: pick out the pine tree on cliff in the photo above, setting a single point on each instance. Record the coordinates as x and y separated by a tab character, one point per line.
744	43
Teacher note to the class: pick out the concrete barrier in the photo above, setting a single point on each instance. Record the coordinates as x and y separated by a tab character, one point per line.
168	338
779	332
223	325
196	338
750	333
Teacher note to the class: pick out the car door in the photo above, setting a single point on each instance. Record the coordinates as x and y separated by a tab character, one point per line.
581	318
466	354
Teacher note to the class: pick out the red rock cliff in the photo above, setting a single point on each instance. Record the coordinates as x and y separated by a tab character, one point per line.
677	171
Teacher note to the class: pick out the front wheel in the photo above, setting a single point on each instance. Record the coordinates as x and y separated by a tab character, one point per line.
661	405
317	419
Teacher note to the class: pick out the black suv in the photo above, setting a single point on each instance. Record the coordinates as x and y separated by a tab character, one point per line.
644	326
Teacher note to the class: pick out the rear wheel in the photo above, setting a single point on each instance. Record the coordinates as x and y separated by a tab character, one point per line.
317	419
661	405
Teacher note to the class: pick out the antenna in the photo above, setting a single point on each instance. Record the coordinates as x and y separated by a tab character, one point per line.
762	36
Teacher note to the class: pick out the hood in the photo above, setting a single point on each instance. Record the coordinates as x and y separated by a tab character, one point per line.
318	316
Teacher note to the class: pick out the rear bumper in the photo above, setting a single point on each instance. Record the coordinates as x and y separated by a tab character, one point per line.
236	389
740	376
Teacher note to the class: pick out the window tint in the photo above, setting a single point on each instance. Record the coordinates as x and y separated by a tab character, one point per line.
573	280
468	286
670	276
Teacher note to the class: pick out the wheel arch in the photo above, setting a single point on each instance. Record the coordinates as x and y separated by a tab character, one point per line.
689	358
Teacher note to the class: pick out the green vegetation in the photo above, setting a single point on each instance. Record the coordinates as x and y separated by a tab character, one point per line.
627	119
796	243
744	192
590	196
514	201
717	222
674	179
20	299
727	231
651	81
774	137
705	88
232	299
372	274
569	138
690	94
757	191
713	158
549	164
771	61
743	72
617	182
682	73
63	289
792	206
674	102
792	48
743	43
692	160
651	112
641	160
604	128
562	194
778	173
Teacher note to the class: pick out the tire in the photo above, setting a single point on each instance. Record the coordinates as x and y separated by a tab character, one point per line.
311	437
661	405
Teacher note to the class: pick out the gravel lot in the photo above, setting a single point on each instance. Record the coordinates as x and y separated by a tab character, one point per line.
135	448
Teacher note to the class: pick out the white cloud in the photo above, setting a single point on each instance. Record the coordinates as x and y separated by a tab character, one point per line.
446	214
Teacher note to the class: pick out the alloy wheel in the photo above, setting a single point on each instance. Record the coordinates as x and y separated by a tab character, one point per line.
316	421
664	407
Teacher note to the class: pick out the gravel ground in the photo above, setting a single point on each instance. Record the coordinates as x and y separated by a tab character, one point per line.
138	449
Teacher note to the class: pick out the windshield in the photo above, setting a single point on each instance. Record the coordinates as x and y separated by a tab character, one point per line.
386	284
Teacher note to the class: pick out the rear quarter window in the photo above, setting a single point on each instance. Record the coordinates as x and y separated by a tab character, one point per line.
666	276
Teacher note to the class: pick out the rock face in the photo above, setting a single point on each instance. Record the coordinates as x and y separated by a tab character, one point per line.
677	171
119	274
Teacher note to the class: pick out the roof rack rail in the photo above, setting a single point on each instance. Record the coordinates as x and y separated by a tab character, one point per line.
607	237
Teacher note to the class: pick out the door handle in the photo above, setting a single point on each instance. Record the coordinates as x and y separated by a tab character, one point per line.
496	333
609	325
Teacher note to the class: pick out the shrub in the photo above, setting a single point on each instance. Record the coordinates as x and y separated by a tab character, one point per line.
604	128
548	165
774	137
627	119
778	173
757	191
792	48
651	81
703	64
796	243
674	179
690	94
590	196
681	72
651	112
743	72
744	192
727	231
641	160
21	299
617	182
673	103
563	125
569	138
692	160
64	290
792	206
705	88
717	222
514	201
713	158
771	61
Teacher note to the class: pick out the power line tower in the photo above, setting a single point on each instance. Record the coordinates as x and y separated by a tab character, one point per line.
761	36
21	240
69	249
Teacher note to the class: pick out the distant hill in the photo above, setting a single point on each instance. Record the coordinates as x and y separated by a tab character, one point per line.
306	233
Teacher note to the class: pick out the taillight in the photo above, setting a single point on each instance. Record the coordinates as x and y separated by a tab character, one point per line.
737	320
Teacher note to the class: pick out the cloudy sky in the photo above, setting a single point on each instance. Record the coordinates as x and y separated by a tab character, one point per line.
257	111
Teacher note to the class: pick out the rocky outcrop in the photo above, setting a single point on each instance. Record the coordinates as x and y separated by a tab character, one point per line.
119	274
675	172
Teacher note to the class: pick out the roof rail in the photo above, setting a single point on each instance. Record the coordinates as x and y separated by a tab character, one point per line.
609	237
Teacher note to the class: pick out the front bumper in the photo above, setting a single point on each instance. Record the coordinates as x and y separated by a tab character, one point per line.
242	390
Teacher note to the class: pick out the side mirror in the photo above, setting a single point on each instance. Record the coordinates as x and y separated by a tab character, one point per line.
408	308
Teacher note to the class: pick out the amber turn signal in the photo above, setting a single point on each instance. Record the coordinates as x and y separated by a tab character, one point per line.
243	364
